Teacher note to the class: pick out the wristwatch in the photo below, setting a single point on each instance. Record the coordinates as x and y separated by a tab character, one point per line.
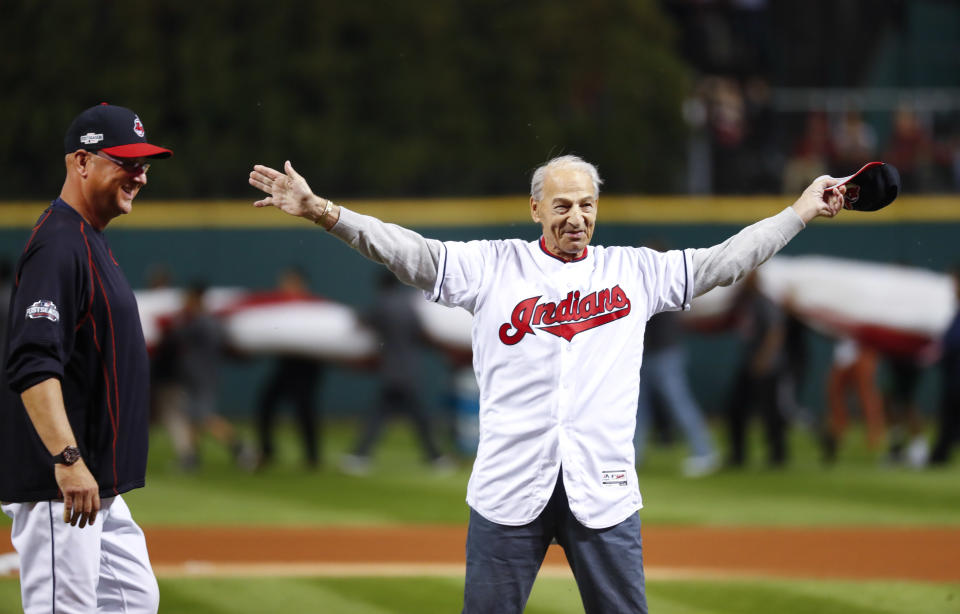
69	456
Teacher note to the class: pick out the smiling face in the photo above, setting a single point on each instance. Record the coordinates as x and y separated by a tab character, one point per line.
567	210
110	188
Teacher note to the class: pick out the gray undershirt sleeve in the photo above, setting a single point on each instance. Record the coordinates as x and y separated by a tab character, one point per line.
730	261
412	258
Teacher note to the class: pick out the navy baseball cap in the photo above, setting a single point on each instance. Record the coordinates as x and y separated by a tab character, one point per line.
111	129
873	187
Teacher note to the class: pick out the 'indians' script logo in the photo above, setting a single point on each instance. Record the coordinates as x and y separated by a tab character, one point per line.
565	319
852	194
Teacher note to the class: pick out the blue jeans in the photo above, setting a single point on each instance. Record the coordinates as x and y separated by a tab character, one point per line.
503	561
664	375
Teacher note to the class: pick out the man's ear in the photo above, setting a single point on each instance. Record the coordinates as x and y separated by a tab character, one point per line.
79	162
534	212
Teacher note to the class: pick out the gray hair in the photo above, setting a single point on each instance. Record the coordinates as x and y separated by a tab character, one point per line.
536	183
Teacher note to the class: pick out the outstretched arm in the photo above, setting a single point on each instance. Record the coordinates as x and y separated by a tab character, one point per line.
730	261
290	193
411	257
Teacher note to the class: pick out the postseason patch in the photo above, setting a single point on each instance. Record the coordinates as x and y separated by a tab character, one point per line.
614	478
43	309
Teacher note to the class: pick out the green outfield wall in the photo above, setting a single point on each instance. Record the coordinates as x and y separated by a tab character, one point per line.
230	243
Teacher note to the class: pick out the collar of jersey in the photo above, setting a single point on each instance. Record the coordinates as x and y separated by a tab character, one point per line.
543	247
63	205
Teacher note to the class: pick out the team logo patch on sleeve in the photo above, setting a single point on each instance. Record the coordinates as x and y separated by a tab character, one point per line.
43	309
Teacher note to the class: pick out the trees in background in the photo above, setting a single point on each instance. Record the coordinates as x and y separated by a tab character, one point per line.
367	98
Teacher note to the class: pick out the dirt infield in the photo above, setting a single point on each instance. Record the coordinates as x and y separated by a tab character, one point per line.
875	553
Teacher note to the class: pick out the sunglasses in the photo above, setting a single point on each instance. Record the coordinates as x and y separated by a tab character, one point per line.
133	167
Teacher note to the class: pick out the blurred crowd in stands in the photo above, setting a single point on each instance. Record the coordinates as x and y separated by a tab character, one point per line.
740	144
773	104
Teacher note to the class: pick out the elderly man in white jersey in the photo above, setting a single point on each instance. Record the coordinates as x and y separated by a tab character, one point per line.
557	343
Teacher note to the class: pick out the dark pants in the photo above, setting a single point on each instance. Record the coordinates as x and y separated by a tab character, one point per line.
503	561
397	400
294	380
949	418
751	394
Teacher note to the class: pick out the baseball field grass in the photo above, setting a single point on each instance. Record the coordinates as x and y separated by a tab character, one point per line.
428	595
859	491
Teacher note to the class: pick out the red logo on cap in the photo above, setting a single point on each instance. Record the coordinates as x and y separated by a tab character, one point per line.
138	127
852	194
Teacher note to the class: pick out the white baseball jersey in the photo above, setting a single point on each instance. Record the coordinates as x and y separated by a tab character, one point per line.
557	348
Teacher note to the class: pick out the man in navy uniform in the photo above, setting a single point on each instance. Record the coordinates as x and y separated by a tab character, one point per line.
73	422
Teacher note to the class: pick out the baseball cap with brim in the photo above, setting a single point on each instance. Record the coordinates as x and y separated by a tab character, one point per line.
873	187
115	130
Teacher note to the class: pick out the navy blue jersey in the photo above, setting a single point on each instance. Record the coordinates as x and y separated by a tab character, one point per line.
74	317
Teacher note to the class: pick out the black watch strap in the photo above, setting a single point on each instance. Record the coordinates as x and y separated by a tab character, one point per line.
69	456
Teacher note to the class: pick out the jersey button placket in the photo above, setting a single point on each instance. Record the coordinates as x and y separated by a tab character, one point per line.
567	387
567	394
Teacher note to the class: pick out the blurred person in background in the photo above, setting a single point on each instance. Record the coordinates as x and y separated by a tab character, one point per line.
727	123
557	408
159	276
732	144
663	378
293	380
948	435
699	167
797	349
194	343
912	150
812	154
402	341
759	381
162	364
764	158
854	369
907	440
75	408
855	144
